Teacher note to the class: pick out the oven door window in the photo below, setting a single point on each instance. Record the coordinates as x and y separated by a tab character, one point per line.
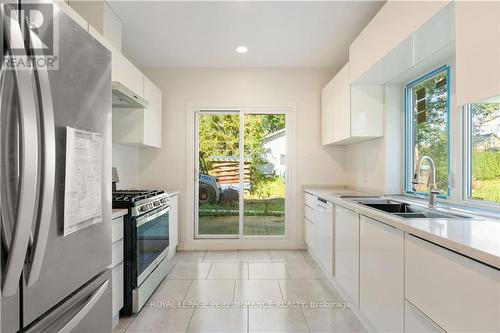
152	240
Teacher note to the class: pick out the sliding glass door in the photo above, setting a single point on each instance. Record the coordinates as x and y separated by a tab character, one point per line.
241	183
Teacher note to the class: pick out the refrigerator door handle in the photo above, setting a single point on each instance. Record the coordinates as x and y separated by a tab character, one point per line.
85	309
48	166
28	159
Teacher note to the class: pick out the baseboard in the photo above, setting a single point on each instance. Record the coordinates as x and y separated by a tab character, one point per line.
240	244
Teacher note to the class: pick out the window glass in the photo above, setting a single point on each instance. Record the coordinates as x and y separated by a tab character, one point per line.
427	131
485	152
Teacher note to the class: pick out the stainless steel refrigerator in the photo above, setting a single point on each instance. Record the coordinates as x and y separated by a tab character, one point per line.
50	281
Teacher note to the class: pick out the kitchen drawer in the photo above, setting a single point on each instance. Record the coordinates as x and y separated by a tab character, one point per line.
310	200
309	213
457	293
117	287
116	253
116	229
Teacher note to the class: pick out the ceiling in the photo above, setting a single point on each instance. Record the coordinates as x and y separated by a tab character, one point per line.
277	34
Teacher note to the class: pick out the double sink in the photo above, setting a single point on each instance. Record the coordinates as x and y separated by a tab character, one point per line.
406	210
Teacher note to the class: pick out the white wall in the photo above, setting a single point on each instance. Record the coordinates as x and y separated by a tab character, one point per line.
166	167
127	161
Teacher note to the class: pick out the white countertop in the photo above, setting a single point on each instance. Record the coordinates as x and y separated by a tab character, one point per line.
477	238
118	212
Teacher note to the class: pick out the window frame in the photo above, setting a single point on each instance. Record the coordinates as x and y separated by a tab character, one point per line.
467	163
409	128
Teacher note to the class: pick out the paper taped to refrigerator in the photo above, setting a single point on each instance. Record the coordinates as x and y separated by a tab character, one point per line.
83	184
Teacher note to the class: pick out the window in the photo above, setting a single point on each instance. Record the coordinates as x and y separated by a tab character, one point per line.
483	152
427	130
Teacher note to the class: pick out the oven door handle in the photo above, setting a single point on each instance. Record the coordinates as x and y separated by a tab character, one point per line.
148	218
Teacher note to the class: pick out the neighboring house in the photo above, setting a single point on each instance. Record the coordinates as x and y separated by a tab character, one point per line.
486	142
275	153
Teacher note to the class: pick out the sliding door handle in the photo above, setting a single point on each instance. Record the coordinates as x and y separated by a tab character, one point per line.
85	309
48	161
28	156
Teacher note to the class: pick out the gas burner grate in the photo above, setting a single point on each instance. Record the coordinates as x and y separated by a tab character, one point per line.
134	195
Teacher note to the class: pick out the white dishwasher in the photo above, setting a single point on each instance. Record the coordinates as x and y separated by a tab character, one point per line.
324	229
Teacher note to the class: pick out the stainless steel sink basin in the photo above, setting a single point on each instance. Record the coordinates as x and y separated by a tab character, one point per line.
406	210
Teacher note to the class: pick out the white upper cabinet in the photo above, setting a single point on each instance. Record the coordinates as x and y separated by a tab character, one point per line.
152	117
381	275
127	74
140	127
392	26
350	113
102	18
478	51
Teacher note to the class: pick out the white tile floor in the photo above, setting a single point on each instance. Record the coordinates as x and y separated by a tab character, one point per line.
244	291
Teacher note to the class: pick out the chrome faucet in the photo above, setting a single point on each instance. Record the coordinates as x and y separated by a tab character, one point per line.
431	182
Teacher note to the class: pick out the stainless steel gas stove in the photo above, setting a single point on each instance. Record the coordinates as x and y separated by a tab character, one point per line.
146	247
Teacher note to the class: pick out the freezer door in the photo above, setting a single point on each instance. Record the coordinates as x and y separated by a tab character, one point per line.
87	310
80	90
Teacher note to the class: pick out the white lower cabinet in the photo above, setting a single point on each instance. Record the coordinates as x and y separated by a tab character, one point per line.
418	322
324	232
347	252
455	292
117	266
117	287
173	222
381	275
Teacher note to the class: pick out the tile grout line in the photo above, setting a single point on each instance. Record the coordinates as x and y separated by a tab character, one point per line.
305	320
281	291
209	270
203	256
190	320
187	292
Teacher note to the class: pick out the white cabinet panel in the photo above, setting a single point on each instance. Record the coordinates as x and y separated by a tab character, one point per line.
457	293
350	113
309	213
111	26
309	199
309	233
417	322
127	74
392	25
347	252
478	50
116	253
116	229
140	127
324	235
381	269
173	221
117	287
153	115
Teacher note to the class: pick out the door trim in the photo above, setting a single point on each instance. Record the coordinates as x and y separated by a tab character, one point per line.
190	229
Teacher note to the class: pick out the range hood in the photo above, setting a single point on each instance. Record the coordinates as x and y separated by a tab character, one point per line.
123	97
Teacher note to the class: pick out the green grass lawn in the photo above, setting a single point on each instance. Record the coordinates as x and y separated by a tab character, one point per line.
488	190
